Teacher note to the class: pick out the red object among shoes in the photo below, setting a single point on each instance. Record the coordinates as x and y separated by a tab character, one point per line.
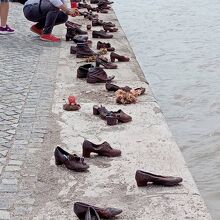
72	100
36	30
49	37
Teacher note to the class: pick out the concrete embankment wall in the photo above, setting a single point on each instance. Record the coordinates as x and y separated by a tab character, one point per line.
146	143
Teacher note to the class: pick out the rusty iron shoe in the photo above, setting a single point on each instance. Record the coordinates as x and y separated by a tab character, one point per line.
80	210
79	46
109	24
110	29
122	116
101	34
107	46
105	63
103	149
80	39
101	111
91	214
104	114
114	56
83	70
83	51
72	32
113	88
98	75
71	161
70	24
137	91
97	22
103	5
94	1
143	178
112	117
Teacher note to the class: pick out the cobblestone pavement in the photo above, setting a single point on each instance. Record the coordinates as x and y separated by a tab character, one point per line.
27	76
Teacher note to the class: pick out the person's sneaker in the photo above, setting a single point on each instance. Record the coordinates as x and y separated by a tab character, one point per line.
36	30
6	30
49	37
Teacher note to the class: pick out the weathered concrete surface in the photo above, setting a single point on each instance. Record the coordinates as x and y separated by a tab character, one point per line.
32	187
146	143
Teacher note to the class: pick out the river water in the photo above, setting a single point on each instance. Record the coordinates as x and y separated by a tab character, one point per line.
177	44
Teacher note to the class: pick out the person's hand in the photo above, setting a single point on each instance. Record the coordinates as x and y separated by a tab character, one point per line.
73	12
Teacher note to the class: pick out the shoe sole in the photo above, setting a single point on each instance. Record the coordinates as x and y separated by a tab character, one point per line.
6	33
34	32
49	40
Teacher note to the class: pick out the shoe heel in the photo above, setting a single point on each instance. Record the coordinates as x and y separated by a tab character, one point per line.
111	120
72	50
97	64
112	59
86	154
68	38
95	110
142	183
58	163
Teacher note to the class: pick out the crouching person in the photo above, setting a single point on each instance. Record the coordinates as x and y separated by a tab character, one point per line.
47	14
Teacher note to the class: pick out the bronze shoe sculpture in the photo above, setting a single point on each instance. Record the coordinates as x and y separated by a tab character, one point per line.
136	92
143	178
91	214
72	32
110	29
122	116
80	210
107	46
71	161
109	24
113	88
70	24
94	1
98	75
112	117
103	5
80	39
101	34
103	149
105	63
83	70
97	22
114	56
83	51
104	114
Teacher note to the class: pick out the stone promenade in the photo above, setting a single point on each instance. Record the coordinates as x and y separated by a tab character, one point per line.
27	76
35	79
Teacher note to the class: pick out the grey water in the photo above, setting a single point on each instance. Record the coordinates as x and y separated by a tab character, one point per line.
177	44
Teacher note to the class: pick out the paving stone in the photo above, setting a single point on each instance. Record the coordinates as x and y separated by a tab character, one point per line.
4	203
9	181
3	153
2	161
1	168
15	162
8	188
4	215
12	168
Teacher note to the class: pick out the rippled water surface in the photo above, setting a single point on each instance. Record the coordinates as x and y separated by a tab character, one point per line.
177	44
